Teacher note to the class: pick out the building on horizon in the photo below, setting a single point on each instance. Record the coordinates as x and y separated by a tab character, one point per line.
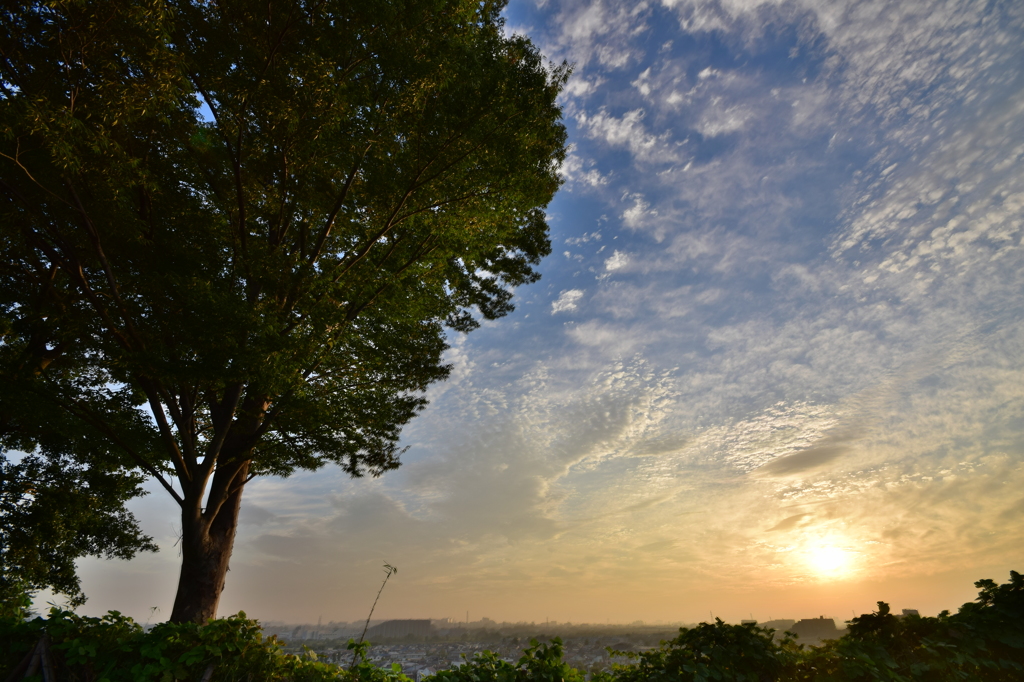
815	630
401	628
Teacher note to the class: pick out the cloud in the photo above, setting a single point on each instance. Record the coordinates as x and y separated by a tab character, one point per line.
788	523
638	215
572	171
723	121
598	31
806	460
253	514
566	301
628	131
581	87
616	261
612	340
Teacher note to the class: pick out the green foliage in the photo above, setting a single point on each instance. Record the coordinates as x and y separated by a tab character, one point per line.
54	510
116	649
18	636
372	171
15	601
540	662
710	651
365	671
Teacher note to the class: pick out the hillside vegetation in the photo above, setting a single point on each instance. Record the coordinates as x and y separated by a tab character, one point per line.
983	641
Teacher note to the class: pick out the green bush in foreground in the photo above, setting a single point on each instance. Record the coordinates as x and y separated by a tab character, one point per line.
539	663
984	641
711	651
115	648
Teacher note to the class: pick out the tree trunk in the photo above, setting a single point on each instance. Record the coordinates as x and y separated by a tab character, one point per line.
206	543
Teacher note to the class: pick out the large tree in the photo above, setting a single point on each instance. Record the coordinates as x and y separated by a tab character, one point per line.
234	231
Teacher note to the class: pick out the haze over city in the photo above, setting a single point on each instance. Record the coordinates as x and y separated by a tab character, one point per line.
773	368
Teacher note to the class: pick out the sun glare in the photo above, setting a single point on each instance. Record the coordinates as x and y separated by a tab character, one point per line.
831	561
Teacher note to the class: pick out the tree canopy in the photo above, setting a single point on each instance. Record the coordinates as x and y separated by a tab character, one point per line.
54	510
235	231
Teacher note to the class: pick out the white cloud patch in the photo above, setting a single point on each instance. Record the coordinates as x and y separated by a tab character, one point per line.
566	301
642	82
639	214
609	339
577	171
617	261
629	132
717	121
581	87
598	31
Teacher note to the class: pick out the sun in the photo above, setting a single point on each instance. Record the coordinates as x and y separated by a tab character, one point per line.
830	561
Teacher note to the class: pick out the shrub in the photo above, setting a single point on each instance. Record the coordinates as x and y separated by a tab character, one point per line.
115	648
710	651
539	663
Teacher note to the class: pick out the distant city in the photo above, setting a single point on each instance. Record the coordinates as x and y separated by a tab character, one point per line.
424	646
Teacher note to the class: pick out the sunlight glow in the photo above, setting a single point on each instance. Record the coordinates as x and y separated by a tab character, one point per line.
831	561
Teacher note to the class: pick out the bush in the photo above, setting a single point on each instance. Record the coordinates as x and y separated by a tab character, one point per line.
539	663
115	648
710	651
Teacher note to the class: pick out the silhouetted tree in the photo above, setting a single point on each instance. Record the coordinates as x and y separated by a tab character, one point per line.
234	231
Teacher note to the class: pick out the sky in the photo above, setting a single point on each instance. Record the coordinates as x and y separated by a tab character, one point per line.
774	367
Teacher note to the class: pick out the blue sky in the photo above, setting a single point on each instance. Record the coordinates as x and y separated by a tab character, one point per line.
774	365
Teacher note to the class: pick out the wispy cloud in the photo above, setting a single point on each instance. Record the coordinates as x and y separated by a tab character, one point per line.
566	300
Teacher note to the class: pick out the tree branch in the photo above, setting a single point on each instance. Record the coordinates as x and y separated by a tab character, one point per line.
221	489
152	394
115	291
318	251
84	414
